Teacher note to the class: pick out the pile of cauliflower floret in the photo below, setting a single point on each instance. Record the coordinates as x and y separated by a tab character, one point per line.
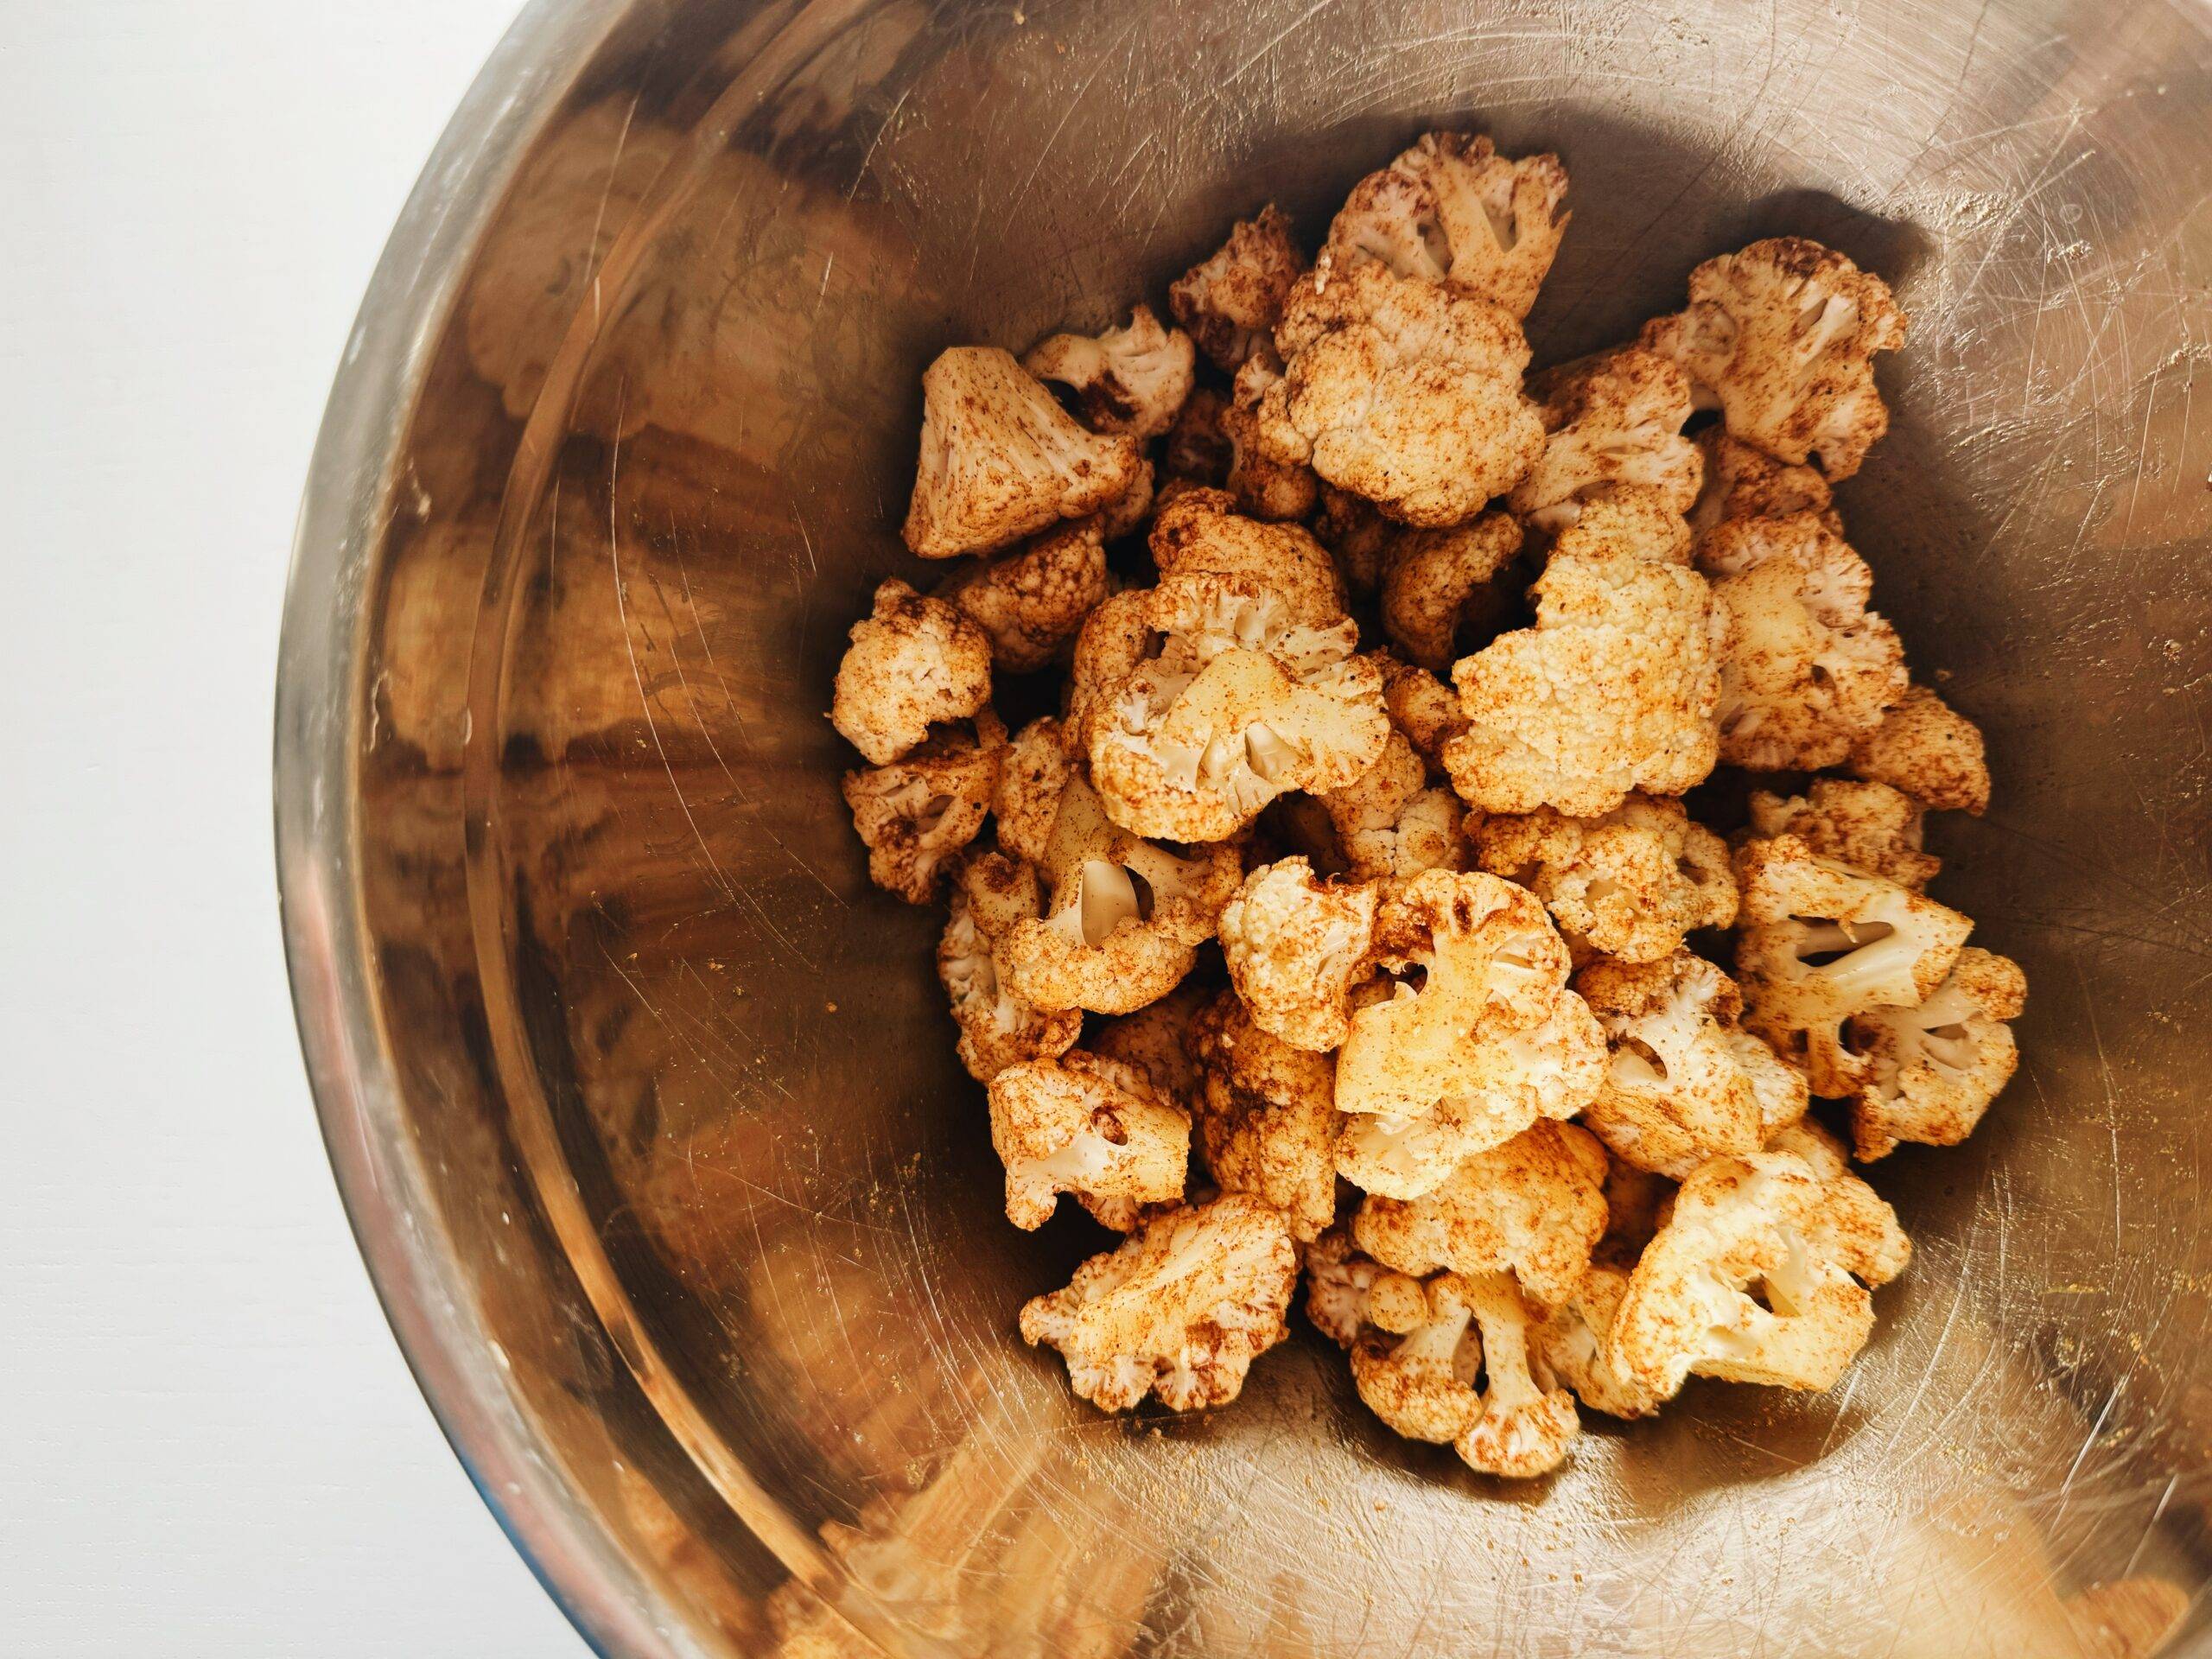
1339	915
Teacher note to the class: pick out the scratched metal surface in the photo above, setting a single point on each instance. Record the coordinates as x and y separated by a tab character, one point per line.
643	1100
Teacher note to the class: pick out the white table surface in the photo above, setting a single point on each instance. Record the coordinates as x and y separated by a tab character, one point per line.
211	1445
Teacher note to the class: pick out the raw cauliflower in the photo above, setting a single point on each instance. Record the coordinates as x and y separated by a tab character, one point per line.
1111	645
1526	1423
1231	302
1421	706
1807	669
1928	749
1000	459
913	664
1294	947
1744	482
1629	884
1416	1362
1201	533
1780	337
1534	1206
1451	209
1031	601
1347	1292
1180	1310
1033	778
1402	392
1241	704
1819	943
1683	1082
1436	582
1156	1039
1932	1070
1390	821
915	814
1088	1126
1871	827
1613	420
993	895
1355	535
1130	381
1613	690
1265	1115
1572	1342
1264	487
1627	521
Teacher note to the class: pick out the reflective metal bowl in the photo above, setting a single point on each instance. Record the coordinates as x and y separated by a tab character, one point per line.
643	1100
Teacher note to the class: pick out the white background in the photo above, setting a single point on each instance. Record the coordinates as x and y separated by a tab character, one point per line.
208	1442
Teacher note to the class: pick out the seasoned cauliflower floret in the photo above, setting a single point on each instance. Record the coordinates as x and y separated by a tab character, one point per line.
1156	1039
1453	209
1636	1202
993	894
916	813
1130	380
1355	534
1932	1070
1928	749
1534	1206
1294	947
1572	1342
1389	822
1089	1126
1629	884
914	663
1000	459
1180	1310
1125	917
1265	1115
1683	1082
1421	706
1437	582
1612	420
1201	533
1526	1423
1627	521
1820	942
1346	1291
1241	704
1614	689
1806	668
1401	391
1111	645
1416	1367
1869	827
1031	601
1231	302
1786	1224
1032	779
1197	451
1264	487
1781	337
1744	482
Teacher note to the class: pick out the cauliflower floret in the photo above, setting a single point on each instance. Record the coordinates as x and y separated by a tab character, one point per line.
1089	1126
993	894
1181	1309
1266	1115
1243	704
1126	513
913	664
1231	302
1437	582
1928	749
1401	391
1780	337
1346	1291
1263	487
1201	533
1933	1071
1000	459
1031	601
1627	521
1453	209
1613	420
1806	668
1526	1423
1783	1222
1614	689
1388	821
1819	943
1156	1039
1111	645
1418	1373
916	813
1197	450
1533	1205
1572	1341
1030	780
1131	380
1869	827
1743	482
1629	884
1636	1202
1421	706
1294	947
1683	1083
1125	918
1355	535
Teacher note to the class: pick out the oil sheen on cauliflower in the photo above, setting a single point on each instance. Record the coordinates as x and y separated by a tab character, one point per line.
1130	381
915	814
1932	1070
1401	391
1613	690
1265	1115
1000	459
1613	420
1092	1127
913	662
1781	337
1180	1310
1629	884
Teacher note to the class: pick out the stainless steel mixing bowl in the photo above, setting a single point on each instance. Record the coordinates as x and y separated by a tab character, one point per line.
644	1102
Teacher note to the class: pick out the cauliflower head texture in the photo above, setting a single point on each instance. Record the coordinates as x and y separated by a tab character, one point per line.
1092	1127
991	896
1526	1423
1416	1363
1932	1070
1128	381
1031	601
914	814
1742	481
1572	1342
1200	532
1231	302
1610	421
1293	947
1265	487
1928	749
913	662
1871	827
1629	884
1266	1114
1437	583
1390	822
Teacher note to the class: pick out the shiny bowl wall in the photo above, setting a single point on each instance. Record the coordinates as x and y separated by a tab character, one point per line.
644	1102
